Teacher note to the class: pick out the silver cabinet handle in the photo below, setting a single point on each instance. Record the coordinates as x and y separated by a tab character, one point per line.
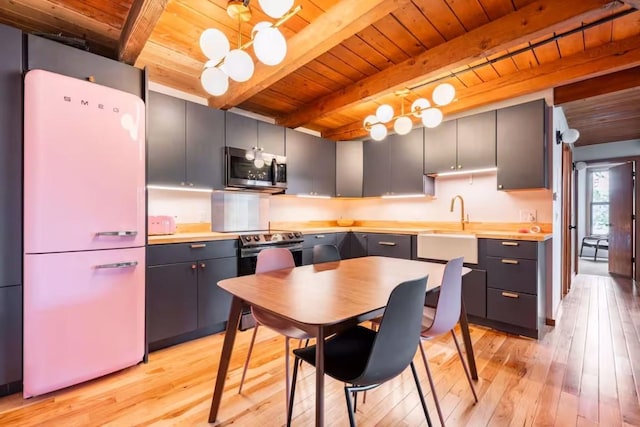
320	236
199	245
509	261
387	243
510	295
126	233
118	265
510	244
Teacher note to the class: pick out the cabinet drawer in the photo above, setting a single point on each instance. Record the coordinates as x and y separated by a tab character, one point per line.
512	248
185	252
390	245
513	274
512	307
310	240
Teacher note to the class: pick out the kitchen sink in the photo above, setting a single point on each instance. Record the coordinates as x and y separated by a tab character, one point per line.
445	245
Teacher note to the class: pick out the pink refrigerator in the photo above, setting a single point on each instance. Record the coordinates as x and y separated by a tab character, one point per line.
84	231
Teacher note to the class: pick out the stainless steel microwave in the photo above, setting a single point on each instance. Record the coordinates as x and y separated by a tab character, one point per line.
255	170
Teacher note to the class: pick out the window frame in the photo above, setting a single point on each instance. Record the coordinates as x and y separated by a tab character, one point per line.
591	203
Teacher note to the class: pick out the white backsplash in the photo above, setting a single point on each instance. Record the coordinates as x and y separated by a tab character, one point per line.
483	203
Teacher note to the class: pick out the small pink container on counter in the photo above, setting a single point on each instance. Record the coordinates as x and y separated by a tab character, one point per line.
161	224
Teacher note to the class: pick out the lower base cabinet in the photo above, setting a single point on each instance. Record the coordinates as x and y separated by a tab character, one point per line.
183	299
10	339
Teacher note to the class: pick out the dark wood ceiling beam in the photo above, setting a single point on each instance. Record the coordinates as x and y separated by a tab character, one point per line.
141	21
535	20
595	62
340	22
613	82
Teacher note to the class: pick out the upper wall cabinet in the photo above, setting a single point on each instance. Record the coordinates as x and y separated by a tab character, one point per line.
311	164
464	144
58	58
522	146
249	134
10	157
394	166
185	143
349	169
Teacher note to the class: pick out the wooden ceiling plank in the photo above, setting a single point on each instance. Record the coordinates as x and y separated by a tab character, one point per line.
626	26
608	83
416	23
141	21
340	22
534	20
633	3
595	62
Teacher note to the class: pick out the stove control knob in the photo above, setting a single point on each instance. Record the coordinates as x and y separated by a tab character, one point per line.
298	234
246	238
290	235
256	238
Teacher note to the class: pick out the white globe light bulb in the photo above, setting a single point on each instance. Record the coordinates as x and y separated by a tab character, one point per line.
378	132
419	105
270	46
275	8
214	81
239	65
384	113
444	93
431	117
369	120
258	162
214	44
403	125
260	26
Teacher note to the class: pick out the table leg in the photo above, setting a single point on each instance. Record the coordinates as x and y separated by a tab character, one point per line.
466	337
320	377
225	356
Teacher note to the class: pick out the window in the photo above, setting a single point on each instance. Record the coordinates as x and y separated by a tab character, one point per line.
599	206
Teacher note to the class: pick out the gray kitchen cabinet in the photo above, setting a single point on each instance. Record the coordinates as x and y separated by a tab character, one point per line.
10	210
358	244
311	164
440	147
395	165
389	245
10	339
166	140
464	144
474	294
205	140
271	138
310	240
185	143
517	275
476	147
45	54
343	243
522	146
249	134
183	299
349	169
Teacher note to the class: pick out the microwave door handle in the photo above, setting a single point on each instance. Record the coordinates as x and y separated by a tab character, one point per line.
274	172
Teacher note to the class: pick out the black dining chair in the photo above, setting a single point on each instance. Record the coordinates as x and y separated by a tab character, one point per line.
363	359
325	253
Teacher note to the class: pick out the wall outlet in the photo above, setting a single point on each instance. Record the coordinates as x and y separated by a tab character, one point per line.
527	215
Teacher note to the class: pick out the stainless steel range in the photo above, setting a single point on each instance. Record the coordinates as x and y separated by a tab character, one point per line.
251	243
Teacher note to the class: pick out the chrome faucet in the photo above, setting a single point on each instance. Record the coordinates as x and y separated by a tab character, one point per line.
453	201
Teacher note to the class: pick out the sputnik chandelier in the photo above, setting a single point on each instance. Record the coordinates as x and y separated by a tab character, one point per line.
431	116
269	45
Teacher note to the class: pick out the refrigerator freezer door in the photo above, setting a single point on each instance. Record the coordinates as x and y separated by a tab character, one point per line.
83	317
84	165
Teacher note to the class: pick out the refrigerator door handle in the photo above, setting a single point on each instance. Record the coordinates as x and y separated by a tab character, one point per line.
126	233
118	265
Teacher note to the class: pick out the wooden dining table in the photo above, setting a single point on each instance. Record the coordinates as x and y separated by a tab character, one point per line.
322	299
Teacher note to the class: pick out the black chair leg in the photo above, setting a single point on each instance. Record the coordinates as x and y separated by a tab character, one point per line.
424	404
293	392
355	401
352	418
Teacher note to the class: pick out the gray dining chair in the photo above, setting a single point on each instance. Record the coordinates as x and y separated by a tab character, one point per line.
363	359
325	253
443	320
271	259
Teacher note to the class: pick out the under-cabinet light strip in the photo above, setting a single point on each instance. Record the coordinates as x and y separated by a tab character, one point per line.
196	190
313	196
466	172
402	196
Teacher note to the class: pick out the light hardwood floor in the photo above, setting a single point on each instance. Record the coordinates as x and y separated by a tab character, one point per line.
586	371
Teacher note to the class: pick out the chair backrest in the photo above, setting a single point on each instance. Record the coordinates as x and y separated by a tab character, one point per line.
398	336
449	300
325	253
270	259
